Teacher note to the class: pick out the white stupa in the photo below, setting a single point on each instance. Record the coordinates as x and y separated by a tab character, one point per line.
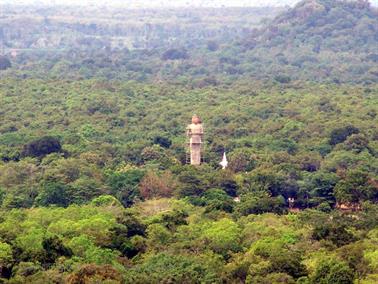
224	162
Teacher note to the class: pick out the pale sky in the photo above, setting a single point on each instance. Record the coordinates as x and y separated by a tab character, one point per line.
160	3
165	3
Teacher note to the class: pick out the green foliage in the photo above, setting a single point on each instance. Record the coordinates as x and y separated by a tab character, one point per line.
321	187
95	274
183	246
53	193
217	199
339	135
42	147
282	150
105	200
162	141
54	248
289	263
355	188
6	256
94	186
174	54
223	236
272	278
336	233
124	185
259	203
25	269
5	63
333	271
164	268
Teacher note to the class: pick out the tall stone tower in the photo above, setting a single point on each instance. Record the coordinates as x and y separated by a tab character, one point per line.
194	132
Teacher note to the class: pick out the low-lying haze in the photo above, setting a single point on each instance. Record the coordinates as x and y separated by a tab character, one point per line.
159	3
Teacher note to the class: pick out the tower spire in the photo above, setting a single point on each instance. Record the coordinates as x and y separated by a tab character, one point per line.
224	162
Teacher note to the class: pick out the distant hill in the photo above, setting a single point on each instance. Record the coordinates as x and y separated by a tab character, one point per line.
316	40
320	39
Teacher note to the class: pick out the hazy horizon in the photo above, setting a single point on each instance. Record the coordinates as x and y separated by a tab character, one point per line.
160	3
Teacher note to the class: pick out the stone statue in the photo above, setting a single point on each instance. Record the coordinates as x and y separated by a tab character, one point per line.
195	133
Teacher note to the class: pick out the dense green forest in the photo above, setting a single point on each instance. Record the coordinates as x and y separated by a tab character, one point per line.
94	181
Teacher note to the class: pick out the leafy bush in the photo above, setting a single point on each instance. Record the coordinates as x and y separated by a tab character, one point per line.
339	135
174	54
333	271
165	268
5	63
42	147
258	204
